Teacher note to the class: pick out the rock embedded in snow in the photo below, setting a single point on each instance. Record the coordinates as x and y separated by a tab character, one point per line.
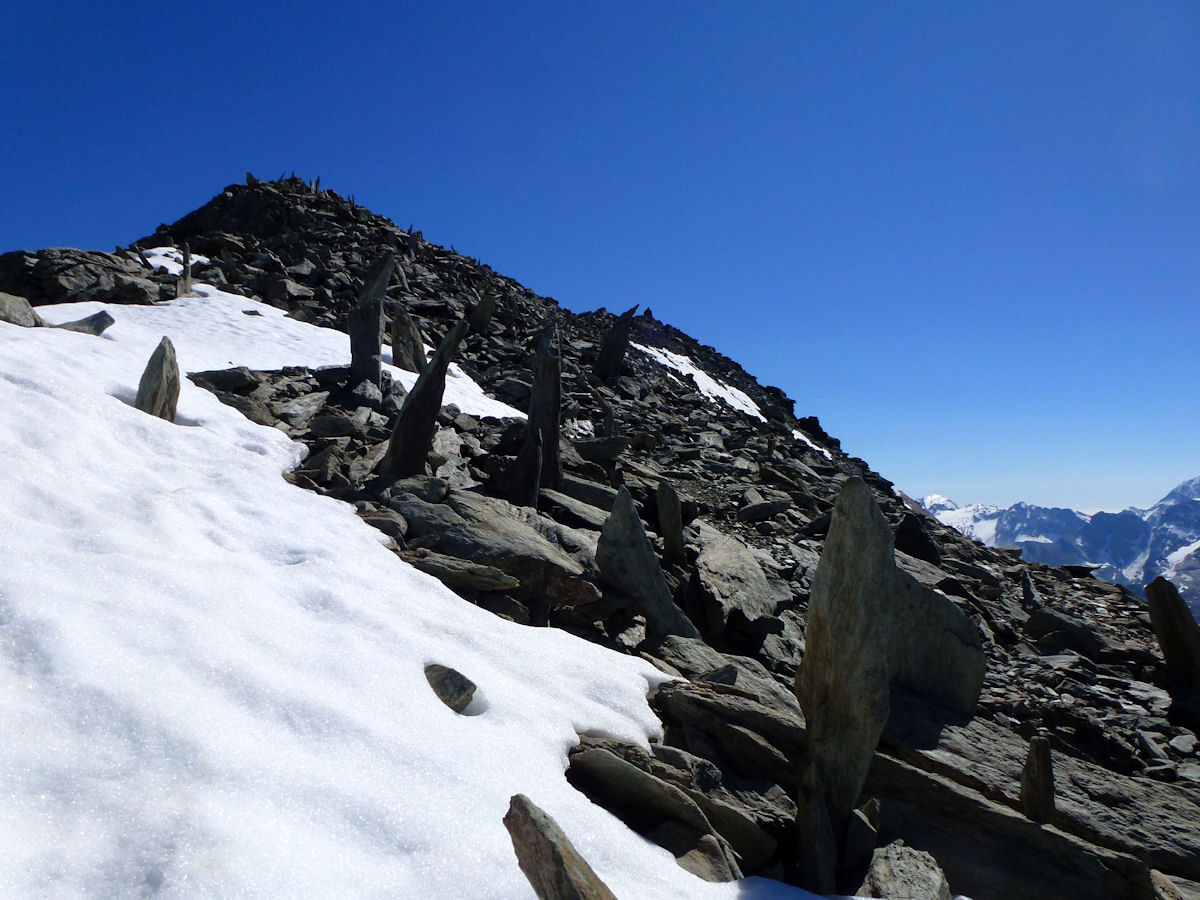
17	311
546	855
898	872
451	686
158	389
95	324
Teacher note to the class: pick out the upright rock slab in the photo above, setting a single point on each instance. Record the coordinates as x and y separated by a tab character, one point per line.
843	683
627	562
1178	636
539	462
611	356
364	322
869	624
158	389
408	350
416	424
549	860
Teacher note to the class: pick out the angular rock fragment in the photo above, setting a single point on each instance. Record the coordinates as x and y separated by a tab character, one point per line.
611	357
408	350
1176	631
18	311
898	872
412	436
731	581
452	687
95	324
627	562
364	322
670	521
158	389
460	573
1037	781
869	624
539	464
553	866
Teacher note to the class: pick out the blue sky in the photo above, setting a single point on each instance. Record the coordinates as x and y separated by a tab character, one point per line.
966	236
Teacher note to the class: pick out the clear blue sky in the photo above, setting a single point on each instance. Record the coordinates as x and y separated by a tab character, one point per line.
965	235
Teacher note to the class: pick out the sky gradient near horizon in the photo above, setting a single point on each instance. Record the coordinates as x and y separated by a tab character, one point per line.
966	236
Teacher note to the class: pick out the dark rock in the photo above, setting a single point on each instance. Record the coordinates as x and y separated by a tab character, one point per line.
913	539
611	358
95	324
1037	781
655	808
538	462
412	436
460	573
553	866
158	389
451	686
1059	629
239	379
65	275
670	521
408	350
1176	631
364	322
627	562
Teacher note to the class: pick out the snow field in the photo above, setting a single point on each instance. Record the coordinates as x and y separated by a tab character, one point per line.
211	681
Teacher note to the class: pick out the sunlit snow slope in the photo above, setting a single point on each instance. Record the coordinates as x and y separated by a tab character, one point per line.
211	681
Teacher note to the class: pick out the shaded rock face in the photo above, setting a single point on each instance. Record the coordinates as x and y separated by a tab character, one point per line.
869	625
1176	631
628	563
61	275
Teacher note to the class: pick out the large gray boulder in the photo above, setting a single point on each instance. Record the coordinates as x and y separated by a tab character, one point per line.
611	357
730	580
549	860
158	389
17	311
628	563
898	872
1178	636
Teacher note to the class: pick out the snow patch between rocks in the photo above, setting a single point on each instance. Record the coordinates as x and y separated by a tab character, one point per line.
709	386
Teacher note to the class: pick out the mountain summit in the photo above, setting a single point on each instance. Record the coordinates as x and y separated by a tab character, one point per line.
518	597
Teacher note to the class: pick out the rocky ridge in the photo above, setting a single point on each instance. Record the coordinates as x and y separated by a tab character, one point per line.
714	524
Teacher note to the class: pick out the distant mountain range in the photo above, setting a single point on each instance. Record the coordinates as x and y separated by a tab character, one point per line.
1131	547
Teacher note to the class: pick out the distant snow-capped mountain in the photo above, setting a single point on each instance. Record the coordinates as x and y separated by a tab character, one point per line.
1130	547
